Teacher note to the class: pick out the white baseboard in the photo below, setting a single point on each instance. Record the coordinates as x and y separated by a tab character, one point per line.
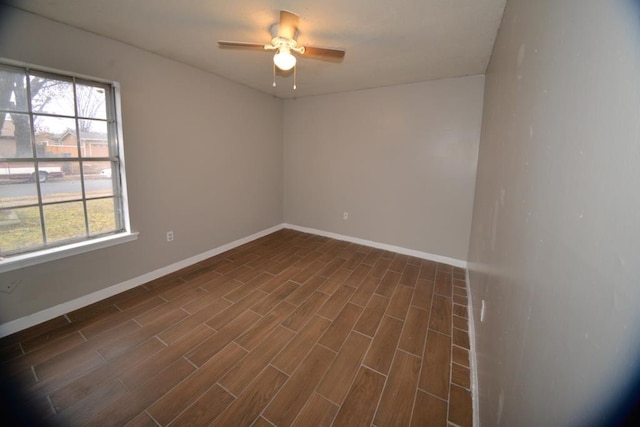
384	246
69	306
475	398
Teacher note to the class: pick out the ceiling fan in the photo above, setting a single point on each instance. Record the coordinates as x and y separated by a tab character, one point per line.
285	43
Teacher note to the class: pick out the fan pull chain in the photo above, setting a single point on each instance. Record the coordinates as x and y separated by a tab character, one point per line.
294	77
274	75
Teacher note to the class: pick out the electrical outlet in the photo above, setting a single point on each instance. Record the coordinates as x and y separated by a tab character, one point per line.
7	288
169	236
345	215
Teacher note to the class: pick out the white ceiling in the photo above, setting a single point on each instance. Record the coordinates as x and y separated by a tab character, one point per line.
387	42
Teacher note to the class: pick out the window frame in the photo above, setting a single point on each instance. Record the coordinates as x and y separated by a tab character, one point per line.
87	242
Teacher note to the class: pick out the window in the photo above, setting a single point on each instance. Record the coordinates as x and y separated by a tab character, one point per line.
61	177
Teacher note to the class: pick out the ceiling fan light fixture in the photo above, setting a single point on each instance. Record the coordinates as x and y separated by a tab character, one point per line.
284	59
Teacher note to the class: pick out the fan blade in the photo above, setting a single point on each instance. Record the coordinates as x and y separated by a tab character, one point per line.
223	43
323	52
288	24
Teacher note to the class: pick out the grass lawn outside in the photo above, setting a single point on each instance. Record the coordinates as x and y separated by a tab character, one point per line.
20	227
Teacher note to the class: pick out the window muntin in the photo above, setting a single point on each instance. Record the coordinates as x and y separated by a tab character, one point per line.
59	161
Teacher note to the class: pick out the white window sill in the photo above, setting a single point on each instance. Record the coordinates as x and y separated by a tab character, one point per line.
46	255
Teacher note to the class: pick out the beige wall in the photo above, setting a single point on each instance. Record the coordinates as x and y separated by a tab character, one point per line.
554	250
203	155
400	160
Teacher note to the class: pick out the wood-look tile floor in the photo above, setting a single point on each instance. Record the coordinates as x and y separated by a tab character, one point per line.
290	329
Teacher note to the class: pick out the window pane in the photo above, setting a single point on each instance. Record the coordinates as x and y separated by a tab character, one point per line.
64	221
91	102
13	89
15	135
17	192
52	96
94	138
102	216
19	229
98	179
55	137
59	190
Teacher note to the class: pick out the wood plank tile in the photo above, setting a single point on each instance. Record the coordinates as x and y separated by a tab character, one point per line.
414	334
274	298
175	305
247	369
131	404
460	323
460	300
336	383
335	281
363	294
372	315
248	406
410	275
397	399
334	305
400	302
436	365
423	294
206	409
461	376
398	263
461	338
443	285
84	385
291	398
185	326
357	276
281	278
137	375
460	356
306	273
302	314
42	353
429	411
331	267
297	349
440	319
445	268
428	270
361	402
263	327
219	340
460	310
224	287
460	409
142	420
318	411
372	257
380	268
305	290
219	321
164	321
118	319
167	407
340	327
100	398
261	422
242	291
388	284
354	260
383	347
